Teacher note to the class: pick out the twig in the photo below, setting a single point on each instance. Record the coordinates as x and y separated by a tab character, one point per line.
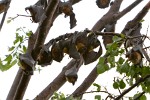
12	18
133	86
109	94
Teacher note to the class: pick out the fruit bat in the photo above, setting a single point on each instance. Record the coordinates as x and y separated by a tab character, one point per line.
133	32
71	75
67	9
93	42
44	57
81	42
69	48
27	63
57	52
102	3
37	10
135	55
90	55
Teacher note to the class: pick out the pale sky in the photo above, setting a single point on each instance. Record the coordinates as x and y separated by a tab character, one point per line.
86	14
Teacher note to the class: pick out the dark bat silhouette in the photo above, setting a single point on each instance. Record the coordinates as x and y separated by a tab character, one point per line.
71	75
67	9
37	10
27	63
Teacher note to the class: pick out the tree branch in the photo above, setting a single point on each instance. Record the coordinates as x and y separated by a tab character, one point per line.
114	16
137	18
58	81
15	84
22	86
24	80
88	81
133	86
128	9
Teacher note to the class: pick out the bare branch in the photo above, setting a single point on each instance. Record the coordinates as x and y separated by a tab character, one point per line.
23	82
109	94
137	18
22	86
111	17
15	84
128	9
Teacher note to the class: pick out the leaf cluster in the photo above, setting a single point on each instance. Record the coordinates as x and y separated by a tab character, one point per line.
18	47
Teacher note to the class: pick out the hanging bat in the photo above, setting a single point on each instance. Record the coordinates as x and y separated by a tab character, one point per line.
27	63
71	75
67	9
37	10
135	31
44	57
57	52
135	55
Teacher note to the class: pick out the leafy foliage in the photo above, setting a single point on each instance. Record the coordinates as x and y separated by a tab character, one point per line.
18	47
132	73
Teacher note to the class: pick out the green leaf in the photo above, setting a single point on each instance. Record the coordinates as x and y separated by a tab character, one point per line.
143	97
121	51
121	60
16	41
97	97
122	35
18	29
111	60
8	58
13	62
1	65
116	39
8	21
115	85
11	48
124	68
98	86
101	68
122	85
21	38
24	49
101	60
6	67
29	33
